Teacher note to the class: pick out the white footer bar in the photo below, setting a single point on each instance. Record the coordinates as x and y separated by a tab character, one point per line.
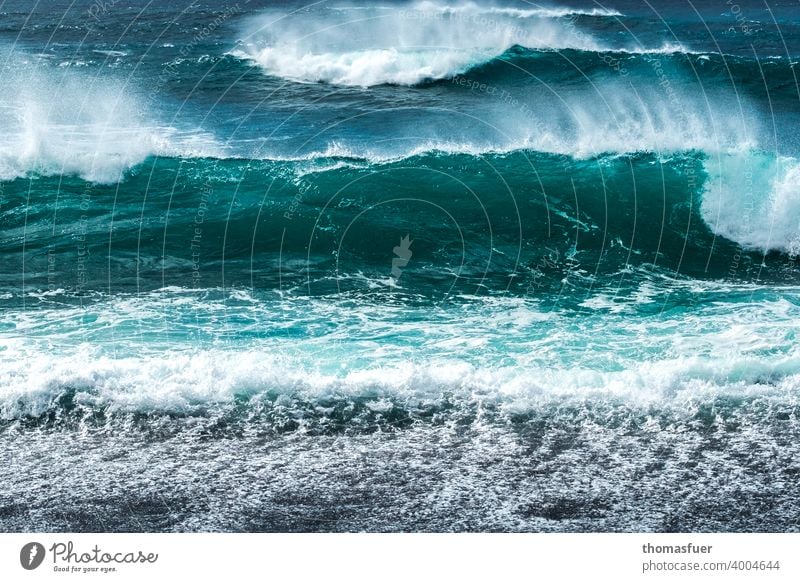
356	557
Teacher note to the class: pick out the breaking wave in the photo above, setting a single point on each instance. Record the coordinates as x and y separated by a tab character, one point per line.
402	45
61	123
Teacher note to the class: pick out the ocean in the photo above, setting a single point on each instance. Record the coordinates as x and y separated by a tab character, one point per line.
399	266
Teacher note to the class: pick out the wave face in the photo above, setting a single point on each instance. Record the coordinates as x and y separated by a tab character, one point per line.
373	266
332	224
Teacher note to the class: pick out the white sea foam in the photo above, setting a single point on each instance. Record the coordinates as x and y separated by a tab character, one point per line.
754	200
181	382
366	67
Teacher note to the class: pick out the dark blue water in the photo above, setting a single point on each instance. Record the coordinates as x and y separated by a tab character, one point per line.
401	266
